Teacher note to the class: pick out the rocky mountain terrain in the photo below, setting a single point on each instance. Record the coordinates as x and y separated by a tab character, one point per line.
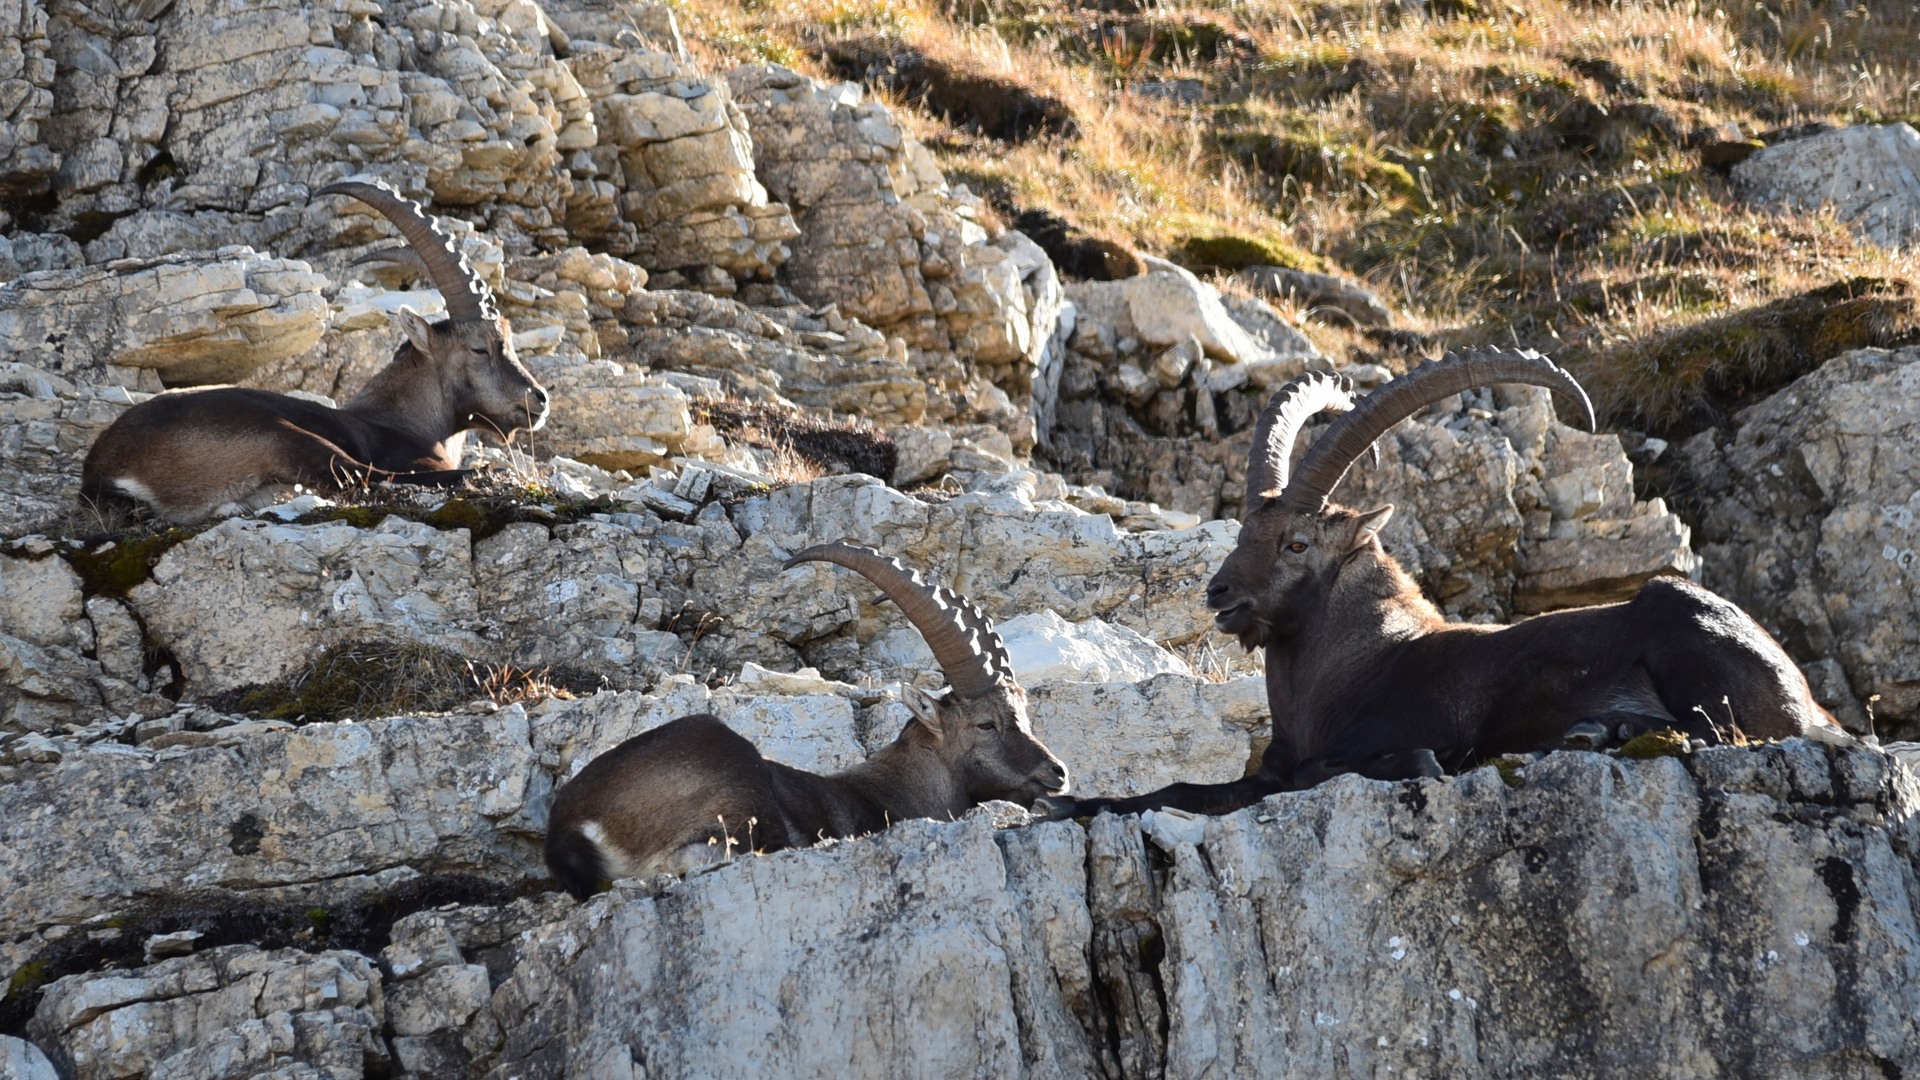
272	787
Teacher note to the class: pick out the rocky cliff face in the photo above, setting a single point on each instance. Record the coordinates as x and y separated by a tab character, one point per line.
1738	912
191	891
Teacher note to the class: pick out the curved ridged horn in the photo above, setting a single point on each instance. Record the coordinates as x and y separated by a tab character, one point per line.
1350	436
468	298
963	641
1273	437
396	256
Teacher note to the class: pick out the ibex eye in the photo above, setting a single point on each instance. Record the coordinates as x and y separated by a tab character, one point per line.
482	352
988	726
1297	546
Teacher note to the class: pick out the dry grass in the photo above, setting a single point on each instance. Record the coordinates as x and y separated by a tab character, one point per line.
1503	173
370	679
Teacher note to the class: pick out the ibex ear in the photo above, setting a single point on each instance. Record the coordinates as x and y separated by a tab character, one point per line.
414	325
924	707
1371	523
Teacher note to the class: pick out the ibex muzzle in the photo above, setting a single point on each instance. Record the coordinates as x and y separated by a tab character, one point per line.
1365	676
189	454
689	791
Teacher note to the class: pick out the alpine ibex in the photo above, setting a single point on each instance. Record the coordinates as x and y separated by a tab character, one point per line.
680	796
192	453
1364	675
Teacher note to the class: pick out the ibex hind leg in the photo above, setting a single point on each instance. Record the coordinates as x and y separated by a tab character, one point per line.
1717	672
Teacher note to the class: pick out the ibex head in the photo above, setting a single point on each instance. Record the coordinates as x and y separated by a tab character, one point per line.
469	357
1293	542
980	728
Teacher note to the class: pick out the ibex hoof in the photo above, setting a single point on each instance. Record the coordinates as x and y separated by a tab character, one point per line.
1425	764
1056	807
1587	735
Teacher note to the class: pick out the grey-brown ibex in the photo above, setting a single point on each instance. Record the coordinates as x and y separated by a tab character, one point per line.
189	454
1365	676
687	792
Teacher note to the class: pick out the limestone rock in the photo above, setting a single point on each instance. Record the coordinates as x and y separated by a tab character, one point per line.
21	1060
235	1011
1808	513
47	424
613	417
27	72
307	807
1348	300
1047	648
248	601
1131	738
677	149
40	602
1166	307
188	319
882	233
1865	173
830	362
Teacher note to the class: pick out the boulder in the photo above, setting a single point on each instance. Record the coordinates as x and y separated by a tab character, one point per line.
1047	648
21	1060
1866	175
47	424
1352	302
318	808
1808	512
249	602
177	320
234	1011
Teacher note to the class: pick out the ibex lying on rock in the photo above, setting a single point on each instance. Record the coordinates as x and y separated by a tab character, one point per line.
681	795
1364	675
192	453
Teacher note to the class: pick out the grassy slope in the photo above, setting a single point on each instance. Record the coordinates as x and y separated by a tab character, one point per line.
1500	174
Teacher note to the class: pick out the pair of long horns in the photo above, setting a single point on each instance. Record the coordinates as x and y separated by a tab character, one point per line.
430	249
1364	421
962	638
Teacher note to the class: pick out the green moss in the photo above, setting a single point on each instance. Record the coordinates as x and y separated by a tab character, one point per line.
114	568
1232	252
31	976
1655	744
360	517
320	920
459	513
1509	766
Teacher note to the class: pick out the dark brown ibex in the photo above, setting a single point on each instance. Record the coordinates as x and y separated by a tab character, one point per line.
1364	675
192	453
680	796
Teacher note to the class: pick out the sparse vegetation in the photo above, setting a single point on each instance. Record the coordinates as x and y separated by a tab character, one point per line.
370	679
1503	172
805	446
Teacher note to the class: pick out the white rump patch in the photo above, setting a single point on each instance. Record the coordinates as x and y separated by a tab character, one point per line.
135	489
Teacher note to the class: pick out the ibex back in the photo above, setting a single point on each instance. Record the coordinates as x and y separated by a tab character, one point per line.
191	453
1364	675
687	792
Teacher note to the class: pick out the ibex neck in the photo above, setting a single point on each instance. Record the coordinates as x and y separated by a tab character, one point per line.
1370	608
906	780
407	396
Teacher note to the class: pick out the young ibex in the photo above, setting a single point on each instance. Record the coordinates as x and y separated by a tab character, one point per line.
1364	675
193	453
680	796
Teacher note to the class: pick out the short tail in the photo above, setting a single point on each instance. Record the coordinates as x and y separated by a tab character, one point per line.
576	863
